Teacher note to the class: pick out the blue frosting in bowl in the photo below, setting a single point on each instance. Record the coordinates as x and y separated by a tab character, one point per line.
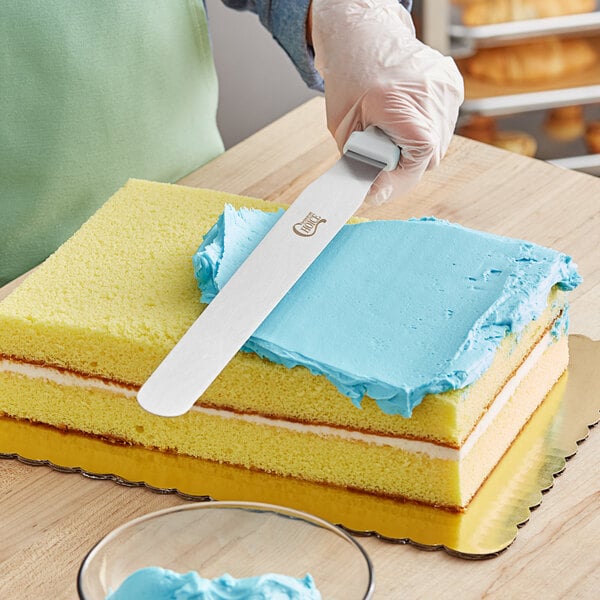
156	583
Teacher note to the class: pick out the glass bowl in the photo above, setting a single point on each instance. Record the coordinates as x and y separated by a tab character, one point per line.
244	539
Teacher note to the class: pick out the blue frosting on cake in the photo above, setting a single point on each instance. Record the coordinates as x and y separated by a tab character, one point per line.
393	309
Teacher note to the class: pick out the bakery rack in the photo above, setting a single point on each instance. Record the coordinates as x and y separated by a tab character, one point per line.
439	24
465	38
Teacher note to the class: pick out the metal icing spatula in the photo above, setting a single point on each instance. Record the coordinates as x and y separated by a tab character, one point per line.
264	278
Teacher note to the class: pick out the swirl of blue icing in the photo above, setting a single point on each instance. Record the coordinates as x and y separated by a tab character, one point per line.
155	583
394	310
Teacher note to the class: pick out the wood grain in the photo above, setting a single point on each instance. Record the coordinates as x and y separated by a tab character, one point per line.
50	520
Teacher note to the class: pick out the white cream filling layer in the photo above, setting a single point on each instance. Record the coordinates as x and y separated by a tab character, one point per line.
60	377
67	378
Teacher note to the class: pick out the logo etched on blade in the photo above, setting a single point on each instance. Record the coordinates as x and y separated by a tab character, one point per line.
308	225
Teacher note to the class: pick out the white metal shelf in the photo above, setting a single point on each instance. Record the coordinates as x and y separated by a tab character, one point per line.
517	103
464	38
570	153
443	29
588	163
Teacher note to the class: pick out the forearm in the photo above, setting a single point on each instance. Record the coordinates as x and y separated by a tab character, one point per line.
406	3
287	21
309	25
290	23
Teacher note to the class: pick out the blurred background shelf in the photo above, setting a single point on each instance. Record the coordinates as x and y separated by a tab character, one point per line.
464	38
566	150
506	104
518	107
589	163
485	97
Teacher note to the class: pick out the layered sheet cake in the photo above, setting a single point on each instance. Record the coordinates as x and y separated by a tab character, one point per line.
404	362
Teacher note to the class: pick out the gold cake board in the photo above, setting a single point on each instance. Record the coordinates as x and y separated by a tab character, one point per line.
486	528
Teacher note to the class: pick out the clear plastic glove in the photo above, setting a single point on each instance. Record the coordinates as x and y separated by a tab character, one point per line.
377	72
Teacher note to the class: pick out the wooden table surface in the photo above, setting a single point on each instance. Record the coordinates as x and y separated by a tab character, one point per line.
49	520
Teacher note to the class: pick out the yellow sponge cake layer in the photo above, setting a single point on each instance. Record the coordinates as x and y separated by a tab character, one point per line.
119	294
446	418
81	335
423	472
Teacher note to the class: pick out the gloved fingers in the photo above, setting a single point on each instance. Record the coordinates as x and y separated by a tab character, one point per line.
377	72
391	185
420	107
422	131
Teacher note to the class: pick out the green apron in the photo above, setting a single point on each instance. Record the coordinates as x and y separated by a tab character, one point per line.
93	93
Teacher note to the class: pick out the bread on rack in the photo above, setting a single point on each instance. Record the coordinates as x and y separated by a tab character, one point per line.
487	12
565	123
479	127
550	58
519	142
484	129
592	137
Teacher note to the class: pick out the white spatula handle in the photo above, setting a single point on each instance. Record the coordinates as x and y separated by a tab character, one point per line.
373	146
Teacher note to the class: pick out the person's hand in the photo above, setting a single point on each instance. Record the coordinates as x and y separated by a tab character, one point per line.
376	72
